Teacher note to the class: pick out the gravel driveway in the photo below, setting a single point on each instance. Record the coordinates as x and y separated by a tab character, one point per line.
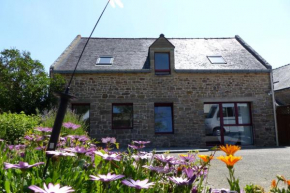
259	166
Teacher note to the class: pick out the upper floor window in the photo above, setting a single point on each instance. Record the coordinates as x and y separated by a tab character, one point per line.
105	60
162	63
216	59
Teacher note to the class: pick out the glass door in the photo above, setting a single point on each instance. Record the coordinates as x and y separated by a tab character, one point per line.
228	123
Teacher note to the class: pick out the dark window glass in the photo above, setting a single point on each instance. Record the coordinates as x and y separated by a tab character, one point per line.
162	64
163	118
211	111
105	60
229	113
122	116
83	110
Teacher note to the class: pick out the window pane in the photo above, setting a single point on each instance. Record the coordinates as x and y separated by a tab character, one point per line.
123	116
163	119
212	124
229	113
238	135
244	113
105	60
216	59
161	61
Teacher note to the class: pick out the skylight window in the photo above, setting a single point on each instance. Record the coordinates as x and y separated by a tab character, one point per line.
216	59
105	60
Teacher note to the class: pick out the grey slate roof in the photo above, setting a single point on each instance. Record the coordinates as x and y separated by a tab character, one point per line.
132	54
281	77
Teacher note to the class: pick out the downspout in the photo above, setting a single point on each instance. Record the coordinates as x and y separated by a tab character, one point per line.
274	107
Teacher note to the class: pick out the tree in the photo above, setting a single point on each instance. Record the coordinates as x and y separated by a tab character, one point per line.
24	84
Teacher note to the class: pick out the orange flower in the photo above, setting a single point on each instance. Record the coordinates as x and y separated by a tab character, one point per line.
205	158
230	160
273	184
230	149
288	182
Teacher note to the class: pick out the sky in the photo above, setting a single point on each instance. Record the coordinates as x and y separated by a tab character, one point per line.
46	27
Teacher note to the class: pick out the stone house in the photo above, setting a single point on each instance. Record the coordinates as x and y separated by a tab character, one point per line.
172	91
281	77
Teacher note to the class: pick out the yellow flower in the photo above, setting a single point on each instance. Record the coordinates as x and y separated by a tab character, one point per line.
230	149
273	184
230	160
205	158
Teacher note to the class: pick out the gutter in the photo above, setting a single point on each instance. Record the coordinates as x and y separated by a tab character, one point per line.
149	70
176	70
102	71
223	71
274	108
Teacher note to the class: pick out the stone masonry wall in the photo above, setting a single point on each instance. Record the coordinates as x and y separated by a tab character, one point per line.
187	92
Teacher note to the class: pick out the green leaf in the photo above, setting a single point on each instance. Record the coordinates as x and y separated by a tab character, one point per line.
117	145
48	180
7	186
98	160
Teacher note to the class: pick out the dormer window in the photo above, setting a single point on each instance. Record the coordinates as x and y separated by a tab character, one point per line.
216	59
162	63
105	60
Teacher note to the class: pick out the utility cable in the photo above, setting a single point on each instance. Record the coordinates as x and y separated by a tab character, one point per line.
68	86
64	101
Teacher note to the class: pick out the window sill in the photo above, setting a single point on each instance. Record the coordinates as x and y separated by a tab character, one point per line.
164	133
117	128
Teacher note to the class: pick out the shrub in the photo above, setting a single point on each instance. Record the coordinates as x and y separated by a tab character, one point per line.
13	126
70	116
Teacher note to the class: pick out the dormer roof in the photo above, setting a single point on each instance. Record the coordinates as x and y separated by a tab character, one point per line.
162	42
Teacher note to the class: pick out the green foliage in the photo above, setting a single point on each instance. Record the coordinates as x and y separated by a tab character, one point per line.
24	84
13	126
70	116
233	182
254	189
75	171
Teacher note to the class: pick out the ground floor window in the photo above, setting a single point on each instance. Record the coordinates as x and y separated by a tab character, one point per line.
83	110
163	116
228	123
122	116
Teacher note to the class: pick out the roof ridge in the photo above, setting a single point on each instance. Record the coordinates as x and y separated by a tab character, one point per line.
282	66
157	38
